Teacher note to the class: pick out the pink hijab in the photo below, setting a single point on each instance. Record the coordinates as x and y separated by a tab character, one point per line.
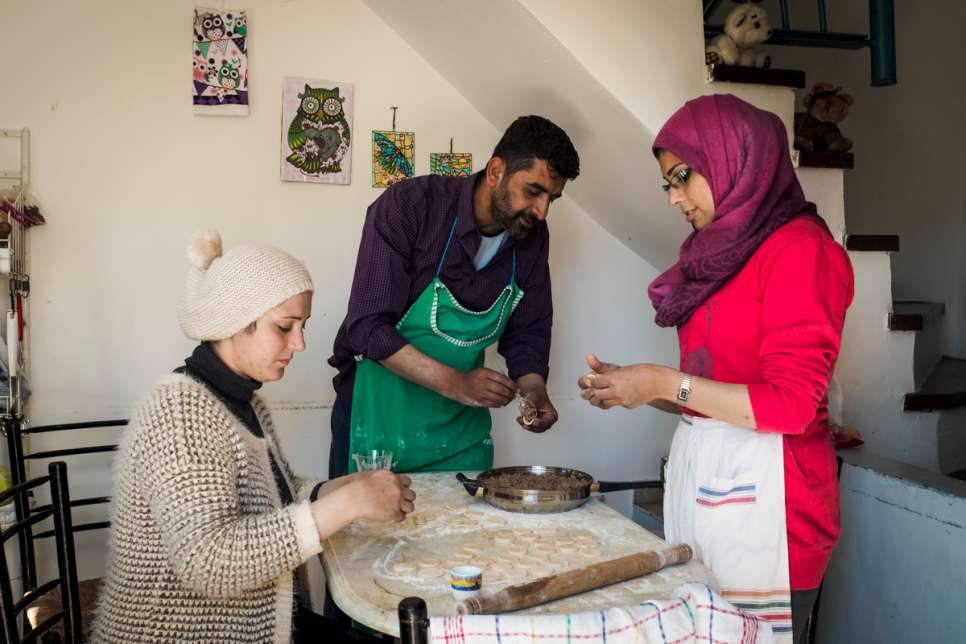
743	153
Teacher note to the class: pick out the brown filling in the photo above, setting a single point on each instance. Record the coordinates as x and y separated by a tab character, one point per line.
549	481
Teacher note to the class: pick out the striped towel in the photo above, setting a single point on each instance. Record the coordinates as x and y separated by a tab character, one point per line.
695	613
773	606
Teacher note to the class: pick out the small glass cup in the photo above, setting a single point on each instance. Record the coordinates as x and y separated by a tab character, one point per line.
373	459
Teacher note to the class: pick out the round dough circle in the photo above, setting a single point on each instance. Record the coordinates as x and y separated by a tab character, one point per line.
429	573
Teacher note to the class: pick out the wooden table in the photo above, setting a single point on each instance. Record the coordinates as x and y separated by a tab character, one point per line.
355	556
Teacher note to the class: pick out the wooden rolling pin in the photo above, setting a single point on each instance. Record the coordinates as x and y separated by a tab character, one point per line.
574	582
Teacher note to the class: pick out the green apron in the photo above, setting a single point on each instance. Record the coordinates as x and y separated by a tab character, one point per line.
424	430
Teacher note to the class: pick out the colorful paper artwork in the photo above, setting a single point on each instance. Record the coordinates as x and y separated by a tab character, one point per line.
451	164
393	157
220	65
316	131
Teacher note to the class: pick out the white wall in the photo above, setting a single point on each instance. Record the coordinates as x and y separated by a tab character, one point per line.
125	172
910	144
897	573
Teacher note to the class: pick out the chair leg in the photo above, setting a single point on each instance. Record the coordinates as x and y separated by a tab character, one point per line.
413	622
66	555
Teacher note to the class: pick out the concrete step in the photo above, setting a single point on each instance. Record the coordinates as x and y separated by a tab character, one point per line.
944	389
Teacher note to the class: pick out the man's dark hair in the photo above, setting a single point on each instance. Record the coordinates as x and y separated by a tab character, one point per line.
534	137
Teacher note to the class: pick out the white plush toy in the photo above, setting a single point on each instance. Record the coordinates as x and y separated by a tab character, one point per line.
747	25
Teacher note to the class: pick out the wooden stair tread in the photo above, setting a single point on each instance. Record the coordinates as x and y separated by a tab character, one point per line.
945	388
874	243
914	316
755	75
837	160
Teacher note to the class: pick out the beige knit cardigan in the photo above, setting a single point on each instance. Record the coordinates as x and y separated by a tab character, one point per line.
202	549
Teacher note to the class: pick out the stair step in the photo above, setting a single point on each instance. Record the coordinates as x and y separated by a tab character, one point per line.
914	316
837	160
755	75
883	243
945	388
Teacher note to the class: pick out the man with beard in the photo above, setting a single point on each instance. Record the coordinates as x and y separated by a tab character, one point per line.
446	267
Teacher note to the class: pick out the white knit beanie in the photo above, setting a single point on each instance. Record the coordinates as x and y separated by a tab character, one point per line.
224	293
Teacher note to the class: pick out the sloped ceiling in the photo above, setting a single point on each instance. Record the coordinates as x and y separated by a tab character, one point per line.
507	63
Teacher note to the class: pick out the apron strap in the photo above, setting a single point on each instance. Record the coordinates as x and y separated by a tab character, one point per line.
513	273
449	240
446	248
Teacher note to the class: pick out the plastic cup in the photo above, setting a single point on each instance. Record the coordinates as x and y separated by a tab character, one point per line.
466	582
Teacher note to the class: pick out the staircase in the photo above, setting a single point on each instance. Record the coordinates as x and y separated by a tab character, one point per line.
611	74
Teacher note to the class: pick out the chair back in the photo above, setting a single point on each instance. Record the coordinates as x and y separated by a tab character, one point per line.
16	428
66	580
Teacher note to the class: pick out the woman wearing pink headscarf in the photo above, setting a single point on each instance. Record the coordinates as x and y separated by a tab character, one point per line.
758	296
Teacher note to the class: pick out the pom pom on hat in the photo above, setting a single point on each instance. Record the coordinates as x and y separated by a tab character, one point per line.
222	298
205	247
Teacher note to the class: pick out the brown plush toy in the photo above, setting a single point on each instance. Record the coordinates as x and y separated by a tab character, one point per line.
816	129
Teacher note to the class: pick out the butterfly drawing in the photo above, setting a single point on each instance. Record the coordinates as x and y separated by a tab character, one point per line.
391	158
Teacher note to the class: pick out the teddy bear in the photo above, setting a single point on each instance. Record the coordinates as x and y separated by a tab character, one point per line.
816	129
746	26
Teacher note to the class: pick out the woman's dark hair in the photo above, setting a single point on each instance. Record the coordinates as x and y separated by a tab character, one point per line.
534	137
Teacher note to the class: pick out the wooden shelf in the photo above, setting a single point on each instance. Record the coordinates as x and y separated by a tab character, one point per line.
755	75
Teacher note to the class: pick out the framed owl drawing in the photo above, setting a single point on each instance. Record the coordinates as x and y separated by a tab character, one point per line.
220	64
316	131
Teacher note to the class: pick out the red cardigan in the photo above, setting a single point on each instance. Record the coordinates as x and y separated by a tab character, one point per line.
777	327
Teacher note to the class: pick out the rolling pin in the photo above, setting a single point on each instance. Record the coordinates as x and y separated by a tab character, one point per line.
574	582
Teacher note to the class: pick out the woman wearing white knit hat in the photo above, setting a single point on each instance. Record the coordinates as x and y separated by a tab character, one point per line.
210	524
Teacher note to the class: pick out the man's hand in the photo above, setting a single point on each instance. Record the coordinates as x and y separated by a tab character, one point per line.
535	389
481	387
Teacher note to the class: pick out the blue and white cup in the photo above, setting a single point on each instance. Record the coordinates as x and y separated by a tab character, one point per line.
466	582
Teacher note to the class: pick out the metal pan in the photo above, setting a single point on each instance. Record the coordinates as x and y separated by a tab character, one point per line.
542	501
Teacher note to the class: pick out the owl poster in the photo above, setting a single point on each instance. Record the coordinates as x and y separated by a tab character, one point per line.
220	65
393	157
451	164
316	131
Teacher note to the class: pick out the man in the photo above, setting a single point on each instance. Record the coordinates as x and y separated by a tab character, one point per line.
447	266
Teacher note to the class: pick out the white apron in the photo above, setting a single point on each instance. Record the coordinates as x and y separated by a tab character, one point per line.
725	496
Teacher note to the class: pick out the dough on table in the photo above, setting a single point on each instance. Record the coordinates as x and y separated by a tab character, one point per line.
428	563
541	571
428	573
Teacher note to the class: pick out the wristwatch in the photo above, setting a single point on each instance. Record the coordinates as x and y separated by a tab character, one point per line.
684	391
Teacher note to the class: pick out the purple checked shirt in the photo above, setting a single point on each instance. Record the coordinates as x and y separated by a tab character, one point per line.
402	241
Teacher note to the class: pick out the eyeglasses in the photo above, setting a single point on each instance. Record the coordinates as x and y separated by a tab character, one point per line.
679	179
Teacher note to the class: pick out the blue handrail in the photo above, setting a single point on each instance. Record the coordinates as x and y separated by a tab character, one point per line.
881	39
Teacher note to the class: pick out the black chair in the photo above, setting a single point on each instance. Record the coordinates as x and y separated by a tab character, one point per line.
15	428
65	584
413	621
